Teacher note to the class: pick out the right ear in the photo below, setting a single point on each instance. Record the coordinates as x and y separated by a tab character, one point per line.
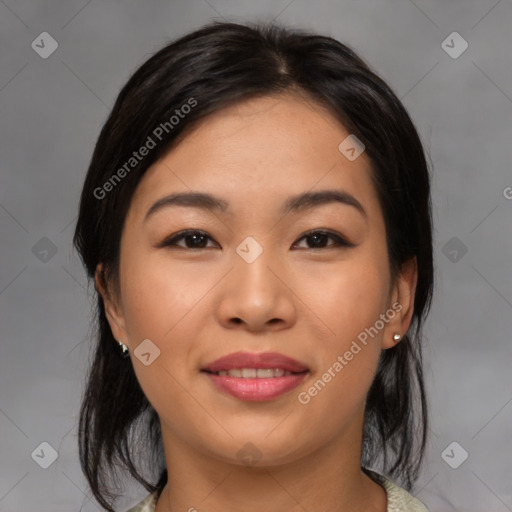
113	309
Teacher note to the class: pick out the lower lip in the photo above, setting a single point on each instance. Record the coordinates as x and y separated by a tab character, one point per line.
254	389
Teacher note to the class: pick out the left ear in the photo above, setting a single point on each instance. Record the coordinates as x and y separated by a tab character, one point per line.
402	303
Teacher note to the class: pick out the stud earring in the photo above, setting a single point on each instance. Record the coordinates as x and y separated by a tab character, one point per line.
124	350
396	336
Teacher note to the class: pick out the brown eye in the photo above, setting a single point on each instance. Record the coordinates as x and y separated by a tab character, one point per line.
319	239
193	240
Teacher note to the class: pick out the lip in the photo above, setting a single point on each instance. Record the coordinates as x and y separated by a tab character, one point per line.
255	389
254	360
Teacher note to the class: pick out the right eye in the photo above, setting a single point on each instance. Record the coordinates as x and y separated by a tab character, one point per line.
193	239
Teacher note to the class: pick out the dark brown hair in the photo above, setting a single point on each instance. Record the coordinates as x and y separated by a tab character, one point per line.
217	66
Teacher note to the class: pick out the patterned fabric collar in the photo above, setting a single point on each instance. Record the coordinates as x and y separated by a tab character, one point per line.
399	500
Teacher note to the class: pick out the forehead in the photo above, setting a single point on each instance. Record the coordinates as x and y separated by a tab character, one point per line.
260	151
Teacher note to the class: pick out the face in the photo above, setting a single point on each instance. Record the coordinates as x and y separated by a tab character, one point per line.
264	271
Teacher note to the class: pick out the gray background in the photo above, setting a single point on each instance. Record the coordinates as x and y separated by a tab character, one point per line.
51	112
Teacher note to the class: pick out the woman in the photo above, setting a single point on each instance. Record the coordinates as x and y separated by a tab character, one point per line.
256	218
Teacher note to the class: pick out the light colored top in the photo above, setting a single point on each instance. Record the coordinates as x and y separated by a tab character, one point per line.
399	500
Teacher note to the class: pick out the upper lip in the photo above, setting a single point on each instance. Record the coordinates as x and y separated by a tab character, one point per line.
253	360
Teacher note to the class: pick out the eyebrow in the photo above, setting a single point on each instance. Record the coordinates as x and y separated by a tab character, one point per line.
294	204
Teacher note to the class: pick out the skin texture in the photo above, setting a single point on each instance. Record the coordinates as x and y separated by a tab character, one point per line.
305	302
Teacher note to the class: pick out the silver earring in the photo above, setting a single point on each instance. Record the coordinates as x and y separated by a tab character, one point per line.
124	350
396	336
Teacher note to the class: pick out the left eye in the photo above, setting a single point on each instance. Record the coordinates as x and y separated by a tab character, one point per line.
318	239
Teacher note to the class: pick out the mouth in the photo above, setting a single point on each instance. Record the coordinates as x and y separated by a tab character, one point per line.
247	362
255	377
255	373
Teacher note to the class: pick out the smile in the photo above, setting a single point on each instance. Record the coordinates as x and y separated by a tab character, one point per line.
258	373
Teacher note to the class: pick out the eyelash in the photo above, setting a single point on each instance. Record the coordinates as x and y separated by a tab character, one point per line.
339	240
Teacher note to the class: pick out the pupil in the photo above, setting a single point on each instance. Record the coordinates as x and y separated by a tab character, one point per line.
196	238
318	242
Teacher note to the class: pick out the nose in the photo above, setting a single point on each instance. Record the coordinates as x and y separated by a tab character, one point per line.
257	296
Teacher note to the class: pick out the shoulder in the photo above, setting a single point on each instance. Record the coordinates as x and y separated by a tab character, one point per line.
399	500
148	504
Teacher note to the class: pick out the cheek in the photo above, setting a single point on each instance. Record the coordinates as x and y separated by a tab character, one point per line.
349	304
348	300
162	303
157	295
347	297
335	399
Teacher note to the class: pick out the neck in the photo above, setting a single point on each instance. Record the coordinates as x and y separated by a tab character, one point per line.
327	479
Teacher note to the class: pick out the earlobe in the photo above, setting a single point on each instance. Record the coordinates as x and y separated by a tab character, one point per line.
402	298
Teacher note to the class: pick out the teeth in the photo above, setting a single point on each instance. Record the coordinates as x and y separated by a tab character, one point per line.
252	373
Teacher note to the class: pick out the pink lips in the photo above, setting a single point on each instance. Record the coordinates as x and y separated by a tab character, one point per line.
252	360
255	389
